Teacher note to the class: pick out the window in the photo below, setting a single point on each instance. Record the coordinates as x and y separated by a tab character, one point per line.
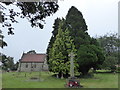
26	65
34	65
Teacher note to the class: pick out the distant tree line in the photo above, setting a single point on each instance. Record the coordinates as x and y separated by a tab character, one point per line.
7	63
110	44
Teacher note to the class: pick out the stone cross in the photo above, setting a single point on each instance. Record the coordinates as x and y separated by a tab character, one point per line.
71	64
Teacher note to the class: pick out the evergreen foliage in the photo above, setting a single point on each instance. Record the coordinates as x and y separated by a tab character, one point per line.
59	61
89	55
87	50
54	33
78	27
76	20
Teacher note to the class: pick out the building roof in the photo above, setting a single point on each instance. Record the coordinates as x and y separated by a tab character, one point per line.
33	58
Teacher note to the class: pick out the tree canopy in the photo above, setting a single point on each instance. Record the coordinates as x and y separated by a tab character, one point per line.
88	52
89	56
110	44
2	42
8	63
53	37
35	12
78	28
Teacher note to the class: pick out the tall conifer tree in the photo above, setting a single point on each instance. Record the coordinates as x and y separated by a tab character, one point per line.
87	47
53	37
59	61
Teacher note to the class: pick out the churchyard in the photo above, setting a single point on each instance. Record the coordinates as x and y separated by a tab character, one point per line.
102	79
72	52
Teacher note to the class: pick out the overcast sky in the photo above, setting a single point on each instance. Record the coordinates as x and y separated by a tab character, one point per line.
101	17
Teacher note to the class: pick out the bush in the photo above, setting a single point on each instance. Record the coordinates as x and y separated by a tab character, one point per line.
113	68
89	75
118	69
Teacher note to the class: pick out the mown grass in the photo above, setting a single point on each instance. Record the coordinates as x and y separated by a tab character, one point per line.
105	80
0	79
18	80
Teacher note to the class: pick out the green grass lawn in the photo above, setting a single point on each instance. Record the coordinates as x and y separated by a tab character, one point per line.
18	80
0	79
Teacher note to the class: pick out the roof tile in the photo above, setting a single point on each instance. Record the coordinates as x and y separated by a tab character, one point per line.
33	58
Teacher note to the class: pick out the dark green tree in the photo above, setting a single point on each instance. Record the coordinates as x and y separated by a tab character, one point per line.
53	37
16	66
87	47
77	26
7	62
90	56
2	42
31	52
75	18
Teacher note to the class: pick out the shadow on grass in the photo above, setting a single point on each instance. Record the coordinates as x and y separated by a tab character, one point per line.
106	72
89	75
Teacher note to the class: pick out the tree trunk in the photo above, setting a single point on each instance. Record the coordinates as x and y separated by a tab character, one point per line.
61	75
85	71
66	75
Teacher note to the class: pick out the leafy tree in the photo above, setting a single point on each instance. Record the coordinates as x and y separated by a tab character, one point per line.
110	63
90	56
16	66
35	12
58	60
31	52
110	43
2	43
7	63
